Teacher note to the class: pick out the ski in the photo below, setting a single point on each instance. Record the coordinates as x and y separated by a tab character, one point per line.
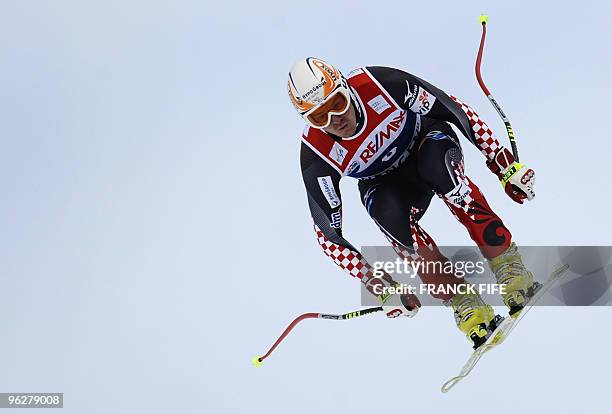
504	329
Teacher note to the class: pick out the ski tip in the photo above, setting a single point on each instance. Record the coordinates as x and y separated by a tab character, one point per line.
446	387
256	361
483	19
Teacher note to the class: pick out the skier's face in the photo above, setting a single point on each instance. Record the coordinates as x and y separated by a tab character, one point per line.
343	125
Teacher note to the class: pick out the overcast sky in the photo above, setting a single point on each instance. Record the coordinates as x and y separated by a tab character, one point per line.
154	232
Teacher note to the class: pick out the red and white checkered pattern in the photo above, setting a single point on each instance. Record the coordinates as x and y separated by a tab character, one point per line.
350	260
485	141
402	251
420	238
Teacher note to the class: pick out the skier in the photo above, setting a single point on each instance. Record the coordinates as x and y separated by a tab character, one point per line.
392	131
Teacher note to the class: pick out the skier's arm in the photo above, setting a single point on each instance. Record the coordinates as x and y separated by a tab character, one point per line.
417	95
323	192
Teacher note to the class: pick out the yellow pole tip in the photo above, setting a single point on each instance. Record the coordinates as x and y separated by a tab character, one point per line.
255	361
483	18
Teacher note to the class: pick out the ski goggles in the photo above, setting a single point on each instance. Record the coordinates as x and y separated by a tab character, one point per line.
337	103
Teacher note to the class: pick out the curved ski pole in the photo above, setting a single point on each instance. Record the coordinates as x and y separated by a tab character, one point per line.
483	20
257	360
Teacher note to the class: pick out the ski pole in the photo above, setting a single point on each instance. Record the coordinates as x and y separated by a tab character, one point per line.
483	20
257	360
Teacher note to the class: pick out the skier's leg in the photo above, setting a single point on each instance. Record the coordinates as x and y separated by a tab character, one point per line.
396	207
397	212
473	316
441	165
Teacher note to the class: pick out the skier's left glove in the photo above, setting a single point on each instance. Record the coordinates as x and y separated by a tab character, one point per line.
516	178
397	305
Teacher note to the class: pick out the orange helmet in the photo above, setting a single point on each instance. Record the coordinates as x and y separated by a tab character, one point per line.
317	90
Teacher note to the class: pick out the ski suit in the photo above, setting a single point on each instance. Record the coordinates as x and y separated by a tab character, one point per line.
403	152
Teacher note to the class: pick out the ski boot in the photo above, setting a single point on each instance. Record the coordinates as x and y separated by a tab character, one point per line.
510	271
474	317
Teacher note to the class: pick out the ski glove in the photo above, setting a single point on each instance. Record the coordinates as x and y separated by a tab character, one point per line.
397	305
517	179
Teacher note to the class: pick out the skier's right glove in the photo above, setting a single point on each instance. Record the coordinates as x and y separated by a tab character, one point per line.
397	305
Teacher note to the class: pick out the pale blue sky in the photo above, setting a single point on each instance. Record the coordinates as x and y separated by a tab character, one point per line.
154	228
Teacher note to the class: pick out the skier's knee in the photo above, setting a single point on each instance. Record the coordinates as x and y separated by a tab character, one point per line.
438	164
